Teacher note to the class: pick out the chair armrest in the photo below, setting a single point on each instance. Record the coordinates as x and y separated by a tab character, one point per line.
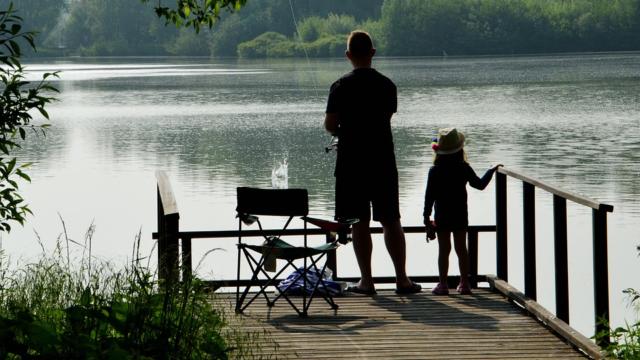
342	227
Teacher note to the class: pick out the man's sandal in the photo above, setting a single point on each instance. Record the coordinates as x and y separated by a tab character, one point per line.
411	289
440	289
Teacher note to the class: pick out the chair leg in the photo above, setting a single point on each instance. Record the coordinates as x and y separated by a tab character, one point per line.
256	268
326	295
283	293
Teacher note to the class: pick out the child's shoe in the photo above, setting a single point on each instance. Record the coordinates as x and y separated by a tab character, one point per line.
440	289
464	289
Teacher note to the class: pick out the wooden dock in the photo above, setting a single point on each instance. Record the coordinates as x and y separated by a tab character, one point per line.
485	325
499	322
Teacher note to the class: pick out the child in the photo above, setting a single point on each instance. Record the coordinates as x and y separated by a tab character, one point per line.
446	188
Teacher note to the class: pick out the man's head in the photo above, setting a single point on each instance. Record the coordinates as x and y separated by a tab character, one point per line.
360	48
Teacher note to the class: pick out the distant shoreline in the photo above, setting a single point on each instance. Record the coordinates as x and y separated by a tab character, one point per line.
552	54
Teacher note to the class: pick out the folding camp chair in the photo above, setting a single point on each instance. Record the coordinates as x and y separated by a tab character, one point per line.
288	203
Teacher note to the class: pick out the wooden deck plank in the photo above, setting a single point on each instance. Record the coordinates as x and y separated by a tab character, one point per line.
421	326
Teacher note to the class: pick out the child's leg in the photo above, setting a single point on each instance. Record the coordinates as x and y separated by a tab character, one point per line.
444	249
460	244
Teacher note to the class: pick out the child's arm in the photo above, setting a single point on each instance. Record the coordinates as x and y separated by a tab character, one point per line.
429	197
481	183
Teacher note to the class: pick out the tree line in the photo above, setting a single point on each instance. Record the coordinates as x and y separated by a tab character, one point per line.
266	28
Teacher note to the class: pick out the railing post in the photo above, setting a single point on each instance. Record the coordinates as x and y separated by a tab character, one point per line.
187	266
168	228
529	227
600	272
472	242
161	237
560	257
501	226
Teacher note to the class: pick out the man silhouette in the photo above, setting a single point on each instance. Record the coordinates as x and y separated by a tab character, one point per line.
359	111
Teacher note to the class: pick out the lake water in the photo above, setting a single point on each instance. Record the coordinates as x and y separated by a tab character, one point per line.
212	125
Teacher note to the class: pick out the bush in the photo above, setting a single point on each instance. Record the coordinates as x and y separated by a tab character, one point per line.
328	46
339	24
285	49
311	28
259	47
48	309
19	100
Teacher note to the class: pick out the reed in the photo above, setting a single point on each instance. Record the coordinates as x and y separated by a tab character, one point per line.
61	306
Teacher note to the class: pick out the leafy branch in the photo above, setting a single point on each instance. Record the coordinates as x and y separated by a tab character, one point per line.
195	13
18	99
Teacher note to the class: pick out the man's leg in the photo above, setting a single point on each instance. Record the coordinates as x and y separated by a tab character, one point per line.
397	248
363	247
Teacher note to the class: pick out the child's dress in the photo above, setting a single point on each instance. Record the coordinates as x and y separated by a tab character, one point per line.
446	188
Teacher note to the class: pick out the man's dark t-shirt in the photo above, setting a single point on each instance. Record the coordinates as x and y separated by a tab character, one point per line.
364	100
365	170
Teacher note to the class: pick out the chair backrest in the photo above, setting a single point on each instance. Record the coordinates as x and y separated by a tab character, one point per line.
278	202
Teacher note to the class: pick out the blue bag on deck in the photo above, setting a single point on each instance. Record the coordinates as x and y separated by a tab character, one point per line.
334	288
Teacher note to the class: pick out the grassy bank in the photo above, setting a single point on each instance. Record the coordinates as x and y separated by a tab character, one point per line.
61	306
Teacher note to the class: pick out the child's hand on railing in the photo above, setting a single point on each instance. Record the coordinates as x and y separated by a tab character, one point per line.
431	229
495	167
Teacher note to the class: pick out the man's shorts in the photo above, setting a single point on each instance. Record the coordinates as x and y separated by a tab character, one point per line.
355	197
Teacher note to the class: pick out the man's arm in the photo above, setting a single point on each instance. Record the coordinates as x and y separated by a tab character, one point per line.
331	123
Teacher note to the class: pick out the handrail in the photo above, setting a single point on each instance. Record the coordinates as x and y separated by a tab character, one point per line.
580	199
186	238
165	192
290	232
599	229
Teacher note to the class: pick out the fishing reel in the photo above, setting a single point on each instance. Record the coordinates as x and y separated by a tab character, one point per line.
333	145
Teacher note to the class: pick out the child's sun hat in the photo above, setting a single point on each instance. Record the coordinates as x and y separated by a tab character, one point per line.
449	141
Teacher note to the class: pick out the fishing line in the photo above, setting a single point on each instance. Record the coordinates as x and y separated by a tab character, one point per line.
304	49
333	144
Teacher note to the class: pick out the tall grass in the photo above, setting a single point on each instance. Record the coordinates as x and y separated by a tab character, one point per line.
624	341
81	308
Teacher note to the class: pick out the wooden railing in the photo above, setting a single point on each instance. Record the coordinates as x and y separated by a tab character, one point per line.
560	197
174	246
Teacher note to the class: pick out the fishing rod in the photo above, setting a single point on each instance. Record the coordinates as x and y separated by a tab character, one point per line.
333	143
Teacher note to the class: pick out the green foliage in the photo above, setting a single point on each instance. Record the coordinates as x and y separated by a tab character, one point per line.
624	341
327	46
51	309
319	37
188	43
399	27
18	100
415	27
196	13
315	27
267	45
42	16
116	27
258	17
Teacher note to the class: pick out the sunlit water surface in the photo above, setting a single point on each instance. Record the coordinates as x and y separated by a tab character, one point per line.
572	121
